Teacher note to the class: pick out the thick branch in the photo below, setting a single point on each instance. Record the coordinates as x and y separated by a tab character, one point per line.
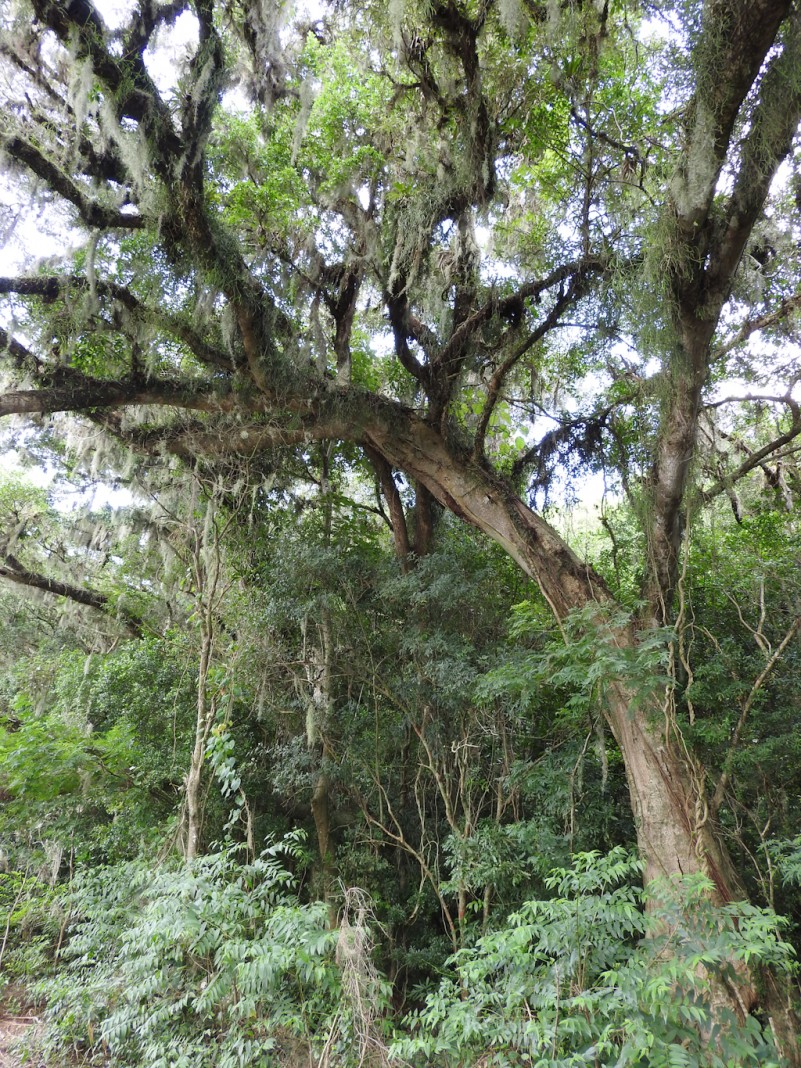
12	570
57	287
461	36
398	309
73	392
477	496
213	440
22	356
147	18
774	124
188	223
343	310
134	93
407	442
510	306
92	213
735	39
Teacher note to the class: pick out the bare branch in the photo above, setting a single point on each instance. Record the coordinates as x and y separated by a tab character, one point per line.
499	376
55	287
786	310
510	306
755	459
725	776
397	516
22	356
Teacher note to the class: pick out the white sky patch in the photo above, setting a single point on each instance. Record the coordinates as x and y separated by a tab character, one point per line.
26	225
577	499
738	389
100	495
115	13
235	101
166	55
725	184
492	269
11	466
66	499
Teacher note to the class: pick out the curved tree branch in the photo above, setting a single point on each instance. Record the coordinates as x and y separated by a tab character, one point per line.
13	571
786	310
92	213
51	288
756	459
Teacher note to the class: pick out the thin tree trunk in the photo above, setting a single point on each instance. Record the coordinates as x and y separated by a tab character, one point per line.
205	560
319	674
194	777
318	657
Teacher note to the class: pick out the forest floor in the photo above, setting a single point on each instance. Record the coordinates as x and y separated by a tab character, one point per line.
16	1022
12	1028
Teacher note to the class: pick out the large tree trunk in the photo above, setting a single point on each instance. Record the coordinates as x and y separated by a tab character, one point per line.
742	113
667	796
675	834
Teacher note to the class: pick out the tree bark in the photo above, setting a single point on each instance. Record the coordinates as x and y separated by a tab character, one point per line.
675	834
13	570
318	657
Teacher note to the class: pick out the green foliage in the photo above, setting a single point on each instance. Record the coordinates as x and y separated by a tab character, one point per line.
30	924
742	600
94	750
424	211
586	977
786	856
582	659
215	964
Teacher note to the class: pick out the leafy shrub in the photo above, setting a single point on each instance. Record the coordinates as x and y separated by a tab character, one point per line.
213	964
30	920
574	981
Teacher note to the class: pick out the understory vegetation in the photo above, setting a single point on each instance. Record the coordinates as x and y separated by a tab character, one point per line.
413	839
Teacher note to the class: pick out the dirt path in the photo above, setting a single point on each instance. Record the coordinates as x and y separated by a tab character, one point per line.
13	1028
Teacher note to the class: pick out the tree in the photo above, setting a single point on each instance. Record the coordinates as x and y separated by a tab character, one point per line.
429	227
